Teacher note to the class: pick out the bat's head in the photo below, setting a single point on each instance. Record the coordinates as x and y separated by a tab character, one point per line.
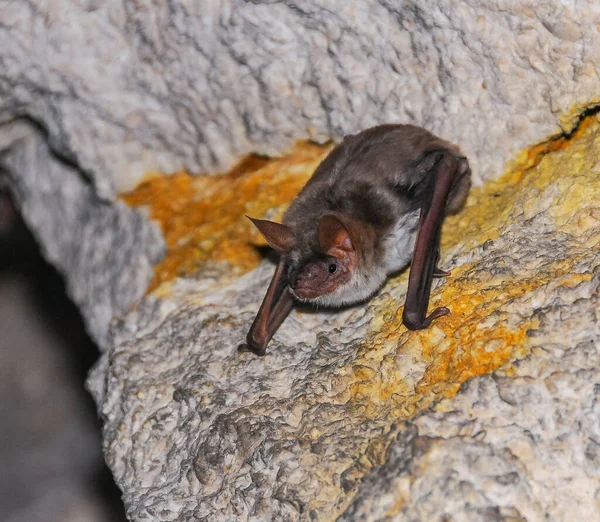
329	271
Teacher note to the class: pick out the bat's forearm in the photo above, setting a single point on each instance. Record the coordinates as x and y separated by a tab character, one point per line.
424	264
275	307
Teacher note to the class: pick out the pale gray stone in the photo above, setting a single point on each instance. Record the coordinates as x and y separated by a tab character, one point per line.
196	431
105	250
93	95
123	88
524	447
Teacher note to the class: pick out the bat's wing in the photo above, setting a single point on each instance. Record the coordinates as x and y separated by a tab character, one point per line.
423	267
275	307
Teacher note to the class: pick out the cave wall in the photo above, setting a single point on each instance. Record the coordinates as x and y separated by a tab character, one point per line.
94	96
123	88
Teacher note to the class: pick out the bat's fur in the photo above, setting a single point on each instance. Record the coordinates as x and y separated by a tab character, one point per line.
376	178
356	221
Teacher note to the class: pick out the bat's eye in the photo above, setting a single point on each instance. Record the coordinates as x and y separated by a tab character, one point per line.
332	268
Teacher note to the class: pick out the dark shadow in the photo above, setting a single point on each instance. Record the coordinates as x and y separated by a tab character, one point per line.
20	258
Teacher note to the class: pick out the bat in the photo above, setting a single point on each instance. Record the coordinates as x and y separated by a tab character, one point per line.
375	204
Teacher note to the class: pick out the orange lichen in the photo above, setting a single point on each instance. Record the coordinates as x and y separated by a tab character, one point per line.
397	373
203	217
478	336
493	204
531	157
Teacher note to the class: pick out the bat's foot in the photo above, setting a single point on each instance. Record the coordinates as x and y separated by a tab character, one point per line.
438	272
413	321
256	350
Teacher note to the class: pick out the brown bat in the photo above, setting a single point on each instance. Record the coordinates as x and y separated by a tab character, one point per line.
375	202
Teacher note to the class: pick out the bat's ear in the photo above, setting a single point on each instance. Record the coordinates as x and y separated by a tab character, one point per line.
334	237
280	237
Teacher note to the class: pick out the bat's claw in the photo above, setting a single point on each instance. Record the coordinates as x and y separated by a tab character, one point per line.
438	272
438	312
412	321
256	350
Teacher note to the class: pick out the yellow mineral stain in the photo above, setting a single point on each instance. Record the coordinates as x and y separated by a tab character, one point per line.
491	207
397	373
203	217
480	335
477	337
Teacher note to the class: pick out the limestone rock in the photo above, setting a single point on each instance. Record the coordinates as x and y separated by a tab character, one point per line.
123	89
106	251
352	417
521	445
349	416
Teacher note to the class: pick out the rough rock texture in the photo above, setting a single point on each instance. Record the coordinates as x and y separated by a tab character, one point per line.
351	416
123	88
522	444
93	95
105	250
117	89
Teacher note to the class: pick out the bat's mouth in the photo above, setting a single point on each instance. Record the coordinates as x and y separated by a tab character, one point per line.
308	294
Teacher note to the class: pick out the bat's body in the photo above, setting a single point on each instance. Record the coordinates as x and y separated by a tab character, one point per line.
356	221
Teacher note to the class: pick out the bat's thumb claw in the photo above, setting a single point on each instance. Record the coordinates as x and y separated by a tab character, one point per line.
438	272
245	347
438	312
412	321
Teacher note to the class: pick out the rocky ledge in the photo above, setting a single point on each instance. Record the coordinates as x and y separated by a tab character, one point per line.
490	414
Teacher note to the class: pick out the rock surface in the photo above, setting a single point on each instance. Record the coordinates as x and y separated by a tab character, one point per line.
106	251
349	416
123	89
352	417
